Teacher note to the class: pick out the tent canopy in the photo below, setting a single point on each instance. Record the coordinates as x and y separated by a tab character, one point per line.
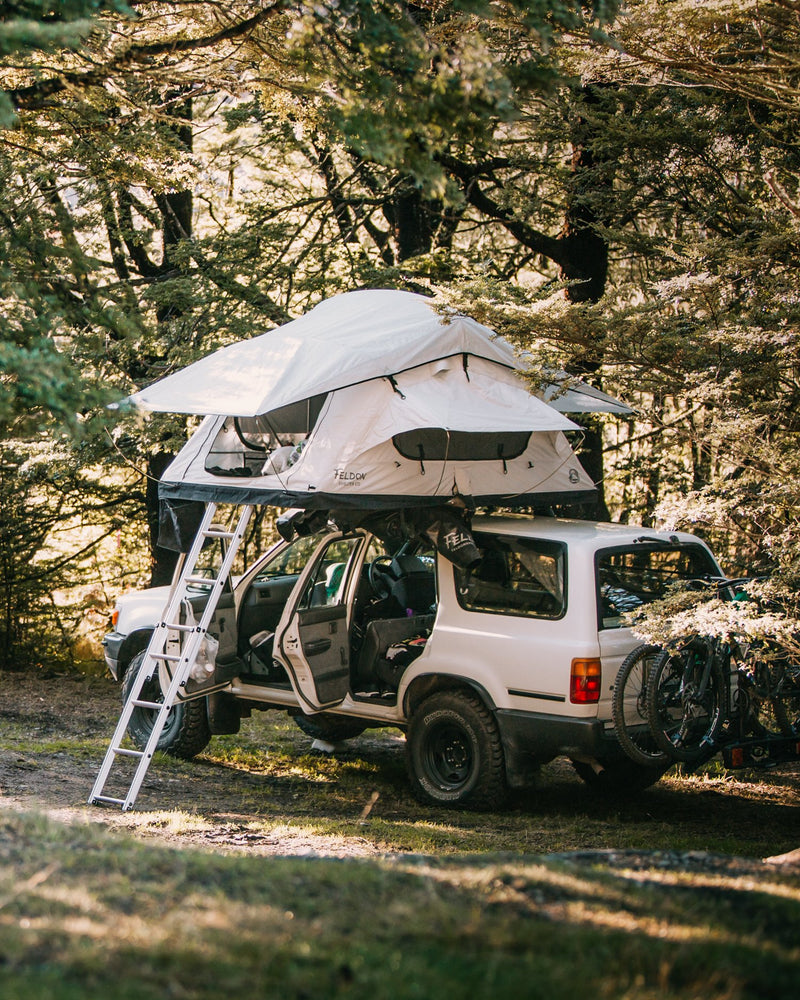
343	341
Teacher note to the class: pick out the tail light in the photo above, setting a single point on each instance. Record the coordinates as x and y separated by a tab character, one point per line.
584	682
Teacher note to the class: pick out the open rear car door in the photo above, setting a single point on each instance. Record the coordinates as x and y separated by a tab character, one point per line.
312	638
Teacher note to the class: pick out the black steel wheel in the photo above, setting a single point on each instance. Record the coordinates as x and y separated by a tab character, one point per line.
455	755
186	731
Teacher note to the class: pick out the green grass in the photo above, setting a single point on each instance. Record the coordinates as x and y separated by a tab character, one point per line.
455	903
84	914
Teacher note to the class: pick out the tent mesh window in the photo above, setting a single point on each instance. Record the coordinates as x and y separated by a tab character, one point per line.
263	445
435	444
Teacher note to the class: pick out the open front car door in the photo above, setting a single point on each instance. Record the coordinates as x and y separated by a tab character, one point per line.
313	636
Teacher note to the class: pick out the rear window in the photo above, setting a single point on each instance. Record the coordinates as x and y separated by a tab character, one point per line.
515	576
628	578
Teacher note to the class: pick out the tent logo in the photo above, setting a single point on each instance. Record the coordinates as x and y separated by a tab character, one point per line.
346	476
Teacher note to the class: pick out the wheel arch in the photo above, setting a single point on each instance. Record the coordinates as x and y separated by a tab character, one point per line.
424	685
134	643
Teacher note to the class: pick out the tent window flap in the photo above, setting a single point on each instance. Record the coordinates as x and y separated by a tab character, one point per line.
435	444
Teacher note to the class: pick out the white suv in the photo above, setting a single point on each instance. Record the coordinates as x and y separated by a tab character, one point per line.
491	671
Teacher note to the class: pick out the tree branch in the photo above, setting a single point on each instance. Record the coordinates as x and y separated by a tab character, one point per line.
33	96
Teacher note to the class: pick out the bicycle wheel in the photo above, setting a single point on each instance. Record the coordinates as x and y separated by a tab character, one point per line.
629	708
767	697
787	710
785	701
686	700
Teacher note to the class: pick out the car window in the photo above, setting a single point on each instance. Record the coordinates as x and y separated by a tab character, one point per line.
327	584
515	576
631	577
291	560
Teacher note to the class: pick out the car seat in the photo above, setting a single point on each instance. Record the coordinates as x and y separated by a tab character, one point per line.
414	590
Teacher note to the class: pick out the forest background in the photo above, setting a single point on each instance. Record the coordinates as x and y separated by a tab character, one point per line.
613	187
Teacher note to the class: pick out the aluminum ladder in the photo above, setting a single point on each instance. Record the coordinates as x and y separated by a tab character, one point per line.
157	653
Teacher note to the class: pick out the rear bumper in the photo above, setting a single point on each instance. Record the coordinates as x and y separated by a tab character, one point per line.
531	739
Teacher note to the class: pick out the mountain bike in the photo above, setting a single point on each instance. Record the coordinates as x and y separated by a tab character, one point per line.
701	694
629	708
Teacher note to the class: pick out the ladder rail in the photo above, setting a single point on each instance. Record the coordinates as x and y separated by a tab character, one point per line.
156	653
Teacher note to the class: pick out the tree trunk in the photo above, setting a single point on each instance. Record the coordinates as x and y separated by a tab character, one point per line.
176	213
585	266
162	561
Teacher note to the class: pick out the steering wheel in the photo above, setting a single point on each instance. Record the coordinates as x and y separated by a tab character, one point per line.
380	576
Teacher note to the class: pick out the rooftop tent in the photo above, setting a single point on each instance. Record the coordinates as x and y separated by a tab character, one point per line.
580	397
415	438
344	340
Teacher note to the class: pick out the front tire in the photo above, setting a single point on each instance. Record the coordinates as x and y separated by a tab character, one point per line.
455	755
186	731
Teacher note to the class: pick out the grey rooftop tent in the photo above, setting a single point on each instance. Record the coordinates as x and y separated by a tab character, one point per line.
371	400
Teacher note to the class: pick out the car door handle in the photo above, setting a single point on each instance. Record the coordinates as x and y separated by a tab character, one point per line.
316	646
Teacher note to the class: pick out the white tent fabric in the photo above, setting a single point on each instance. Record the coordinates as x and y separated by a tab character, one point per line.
436	431
344	340
579	397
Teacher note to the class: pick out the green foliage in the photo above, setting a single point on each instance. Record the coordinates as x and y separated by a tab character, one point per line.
395	82
63	527
623	208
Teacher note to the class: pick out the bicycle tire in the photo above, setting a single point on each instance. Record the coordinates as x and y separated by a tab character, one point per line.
684	723
771	698
629	708
786	703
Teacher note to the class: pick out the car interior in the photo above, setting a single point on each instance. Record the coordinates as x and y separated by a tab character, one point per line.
393	612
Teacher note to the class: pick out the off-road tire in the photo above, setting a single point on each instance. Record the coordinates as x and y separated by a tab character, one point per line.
619	778
330	728
455	755
629	709
186	732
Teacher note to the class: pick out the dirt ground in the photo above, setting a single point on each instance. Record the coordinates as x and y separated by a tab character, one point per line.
53	782
62	724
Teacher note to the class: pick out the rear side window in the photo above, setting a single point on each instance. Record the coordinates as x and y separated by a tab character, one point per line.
515	576
631	577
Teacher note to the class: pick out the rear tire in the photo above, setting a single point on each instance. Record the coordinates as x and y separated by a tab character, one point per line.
186	731
330	728
619	777
455	755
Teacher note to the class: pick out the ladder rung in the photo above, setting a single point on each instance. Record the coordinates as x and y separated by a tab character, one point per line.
157	654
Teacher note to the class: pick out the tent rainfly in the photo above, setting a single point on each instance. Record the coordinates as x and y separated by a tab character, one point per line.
372	400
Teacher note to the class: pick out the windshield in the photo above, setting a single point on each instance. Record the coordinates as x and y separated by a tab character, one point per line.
628	578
